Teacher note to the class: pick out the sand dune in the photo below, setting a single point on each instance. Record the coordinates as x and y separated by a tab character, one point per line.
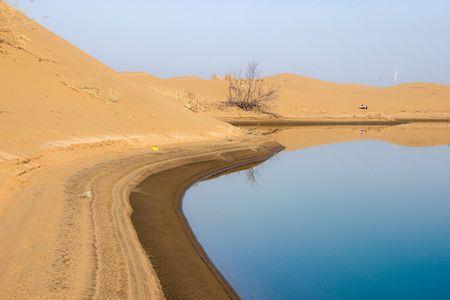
302	97
62	111
56	99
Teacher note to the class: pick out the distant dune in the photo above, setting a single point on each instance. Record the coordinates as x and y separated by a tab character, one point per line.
302	97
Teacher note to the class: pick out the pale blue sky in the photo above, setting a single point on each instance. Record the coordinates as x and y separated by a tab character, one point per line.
337	40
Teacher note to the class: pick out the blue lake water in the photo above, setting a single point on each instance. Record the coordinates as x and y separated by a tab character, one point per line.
356	220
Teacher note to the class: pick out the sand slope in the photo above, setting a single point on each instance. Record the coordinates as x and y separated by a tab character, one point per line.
62	112
302	97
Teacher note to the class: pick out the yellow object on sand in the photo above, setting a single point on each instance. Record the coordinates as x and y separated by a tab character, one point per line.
155	148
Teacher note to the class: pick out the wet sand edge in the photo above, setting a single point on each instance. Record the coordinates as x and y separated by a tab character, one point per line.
182	266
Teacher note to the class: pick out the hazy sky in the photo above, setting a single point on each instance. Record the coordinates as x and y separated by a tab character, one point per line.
339	40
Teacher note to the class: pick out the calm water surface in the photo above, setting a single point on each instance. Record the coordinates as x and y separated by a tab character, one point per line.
357	220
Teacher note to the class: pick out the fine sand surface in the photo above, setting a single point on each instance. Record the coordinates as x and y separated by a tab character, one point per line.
303	99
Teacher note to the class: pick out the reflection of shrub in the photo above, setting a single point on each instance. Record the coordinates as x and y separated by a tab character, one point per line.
251	176
250	93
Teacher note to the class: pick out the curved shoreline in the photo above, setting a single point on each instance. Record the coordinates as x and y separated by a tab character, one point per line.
68	234
182	266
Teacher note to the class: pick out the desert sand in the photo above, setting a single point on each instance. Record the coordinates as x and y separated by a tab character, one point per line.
76	137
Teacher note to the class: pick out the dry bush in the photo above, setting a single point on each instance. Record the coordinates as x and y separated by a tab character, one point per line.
250	92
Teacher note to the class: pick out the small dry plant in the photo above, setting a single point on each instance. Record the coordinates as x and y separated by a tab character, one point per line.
10	18
250	92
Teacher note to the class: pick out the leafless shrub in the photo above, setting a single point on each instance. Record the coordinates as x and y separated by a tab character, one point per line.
250	93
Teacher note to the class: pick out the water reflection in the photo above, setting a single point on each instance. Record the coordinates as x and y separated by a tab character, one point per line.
414	135
352	220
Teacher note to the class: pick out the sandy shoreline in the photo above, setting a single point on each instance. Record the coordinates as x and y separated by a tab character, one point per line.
182	266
